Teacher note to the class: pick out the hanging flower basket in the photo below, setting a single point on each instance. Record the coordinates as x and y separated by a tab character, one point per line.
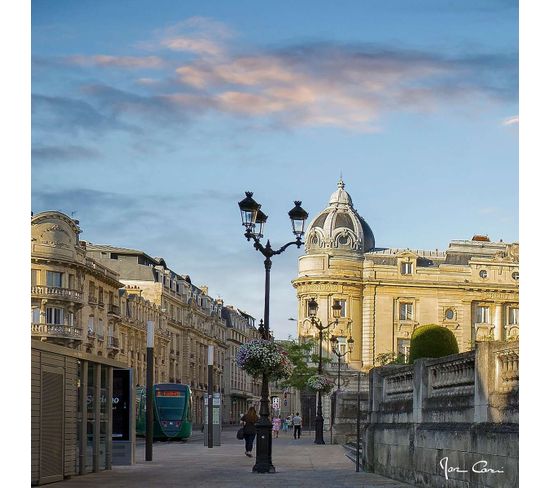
320	383
260	356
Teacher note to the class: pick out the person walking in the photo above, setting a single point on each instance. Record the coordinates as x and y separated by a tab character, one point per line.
297	422
276	425
249	419
285	424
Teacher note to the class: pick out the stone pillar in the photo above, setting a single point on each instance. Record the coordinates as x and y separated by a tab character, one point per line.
481	387
374	399
420	389
497	335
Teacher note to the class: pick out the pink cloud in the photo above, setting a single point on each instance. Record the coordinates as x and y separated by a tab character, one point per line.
130	62
513	120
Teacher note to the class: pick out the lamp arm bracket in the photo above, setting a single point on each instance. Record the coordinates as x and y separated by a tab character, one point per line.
297	243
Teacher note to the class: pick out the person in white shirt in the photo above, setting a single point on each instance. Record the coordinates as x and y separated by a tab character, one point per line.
297	423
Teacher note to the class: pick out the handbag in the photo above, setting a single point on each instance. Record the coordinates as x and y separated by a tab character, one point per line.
240	433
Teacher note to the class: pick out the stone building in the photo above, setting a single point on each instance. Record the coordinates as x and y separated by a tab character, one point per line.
244	390
80	303
470	288
193	318
76	324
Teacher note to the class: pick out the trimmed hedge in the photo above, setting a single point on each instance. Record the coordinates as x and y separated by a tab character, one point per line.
432	341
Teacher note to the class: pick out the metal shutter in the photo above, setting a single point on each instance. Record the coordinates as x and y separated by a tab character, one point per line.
51	425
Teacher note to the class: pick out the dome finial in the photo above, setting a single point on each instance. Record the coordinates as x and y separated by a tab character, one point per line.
341	183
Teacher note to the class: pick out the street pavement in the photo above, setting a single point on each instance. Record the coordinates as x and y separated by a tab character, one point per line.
298	463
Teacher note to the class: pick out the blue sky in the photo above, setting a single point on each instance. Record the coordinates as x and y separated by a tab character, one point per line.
150	120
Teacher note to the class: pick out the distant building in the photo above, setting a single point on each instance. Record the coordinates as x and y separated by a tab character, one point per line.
244	390
471	288
193	318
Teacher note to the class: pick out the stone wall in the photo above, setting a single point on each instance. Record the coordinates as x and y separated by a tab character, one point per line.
427	421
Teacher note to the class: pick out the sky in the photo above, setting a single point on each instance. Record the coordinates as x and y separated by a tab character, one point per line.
151	119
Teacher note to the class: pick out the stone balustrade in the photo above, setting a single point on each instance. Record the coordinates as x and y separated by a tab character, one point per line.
507	370
398	386
463	408
452	376
56	330
42	291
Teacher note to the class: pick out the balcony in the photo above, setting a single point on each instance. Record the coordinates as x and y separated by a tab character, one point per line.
113	310
113	347
92	300
39	291
56	332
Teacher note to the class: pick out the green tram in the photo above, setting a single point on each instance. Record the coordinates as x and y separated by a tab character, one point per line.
172	411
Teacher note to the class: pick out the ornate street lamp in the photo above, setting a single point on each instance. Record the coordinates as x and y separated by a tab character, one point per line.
253	221
312	308
339	354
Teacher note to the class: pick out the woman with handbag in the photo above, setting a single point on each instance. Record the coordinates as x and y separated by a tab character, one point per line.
249	429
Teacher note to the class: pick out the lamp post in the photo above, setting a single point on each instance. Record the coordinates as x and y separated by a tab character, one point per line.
339	354
210	397
149	392
312	318
254	220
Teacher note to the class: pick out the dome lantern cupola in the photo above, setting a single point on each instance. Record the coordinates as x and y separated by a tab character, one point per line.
339	227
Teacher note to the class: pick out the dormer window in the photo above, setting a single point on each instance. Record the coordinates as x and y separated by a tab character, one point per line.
406	268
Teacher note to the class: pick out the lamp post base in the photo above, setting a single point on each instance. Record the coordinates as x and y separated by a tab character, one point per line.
263	448
319	423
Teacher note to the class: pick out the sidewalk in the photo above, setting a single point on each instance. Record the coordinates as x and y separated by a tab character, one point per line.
298	463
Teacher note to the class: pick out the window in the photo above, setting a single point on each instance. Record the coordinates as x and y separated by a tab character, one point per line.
34	277
513	316
404	347
100	295
343	305
482	315
406	268
449	314
100	327
72	284
515	275
483	273
70	319
53	278
35	315
54	315
91	323
405	311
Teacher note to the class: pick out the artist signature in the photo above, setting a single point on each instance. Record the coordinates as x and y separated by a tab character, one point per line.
478	467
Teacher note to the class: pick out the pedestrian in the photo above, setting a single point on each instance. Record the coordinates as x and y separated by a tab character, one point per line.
249	420
285	424
276	425
297	422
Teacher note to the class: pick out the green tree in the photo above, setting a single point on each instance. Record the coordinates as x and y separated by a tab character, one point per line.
432	341
305	361
389	358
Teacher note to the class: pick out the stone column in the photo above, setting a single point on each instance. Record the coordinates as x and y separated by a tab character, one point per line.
367	339
497	336
469	334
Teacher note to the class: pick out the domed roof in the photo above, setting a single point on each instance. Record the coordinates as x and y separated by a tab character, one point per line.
339	227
